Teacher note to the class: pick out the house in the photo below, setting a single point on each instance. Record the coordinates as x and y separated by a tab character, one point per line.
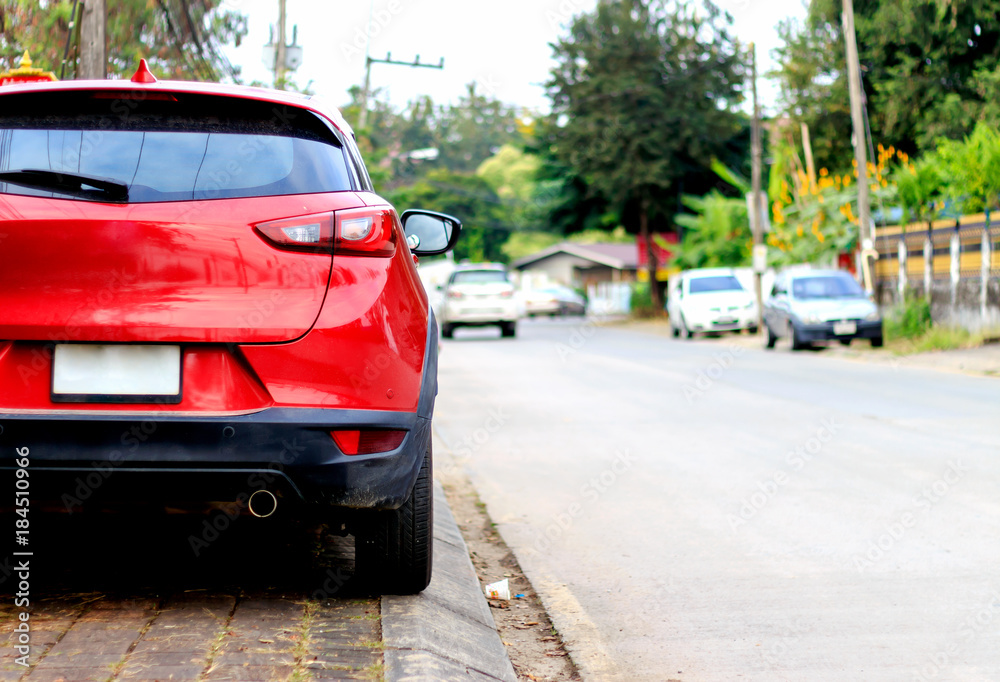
581	265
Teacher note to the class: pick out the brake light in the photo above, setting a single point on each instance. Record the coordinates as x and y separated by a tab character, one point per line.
367	442
310	233
506	294
455	294
366	232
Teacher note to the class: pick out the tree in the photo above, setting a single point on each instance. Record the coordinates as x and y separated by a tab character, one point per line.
467	197
929	66
717	232
918	187
972	169
642	90
181	39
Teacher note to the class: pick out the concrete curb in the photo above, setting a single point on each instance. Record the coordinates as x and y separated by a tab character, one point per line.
447	631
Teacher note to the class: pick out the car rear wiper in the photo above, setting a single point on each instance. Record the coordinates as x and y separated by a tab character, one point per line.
74	184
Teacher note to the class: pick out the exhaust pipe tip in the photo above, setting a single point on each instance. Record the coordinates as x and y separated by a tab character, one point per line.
262	504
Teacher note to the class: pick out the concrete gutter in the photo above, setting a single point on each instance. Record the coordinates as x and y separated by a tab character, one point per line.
447	631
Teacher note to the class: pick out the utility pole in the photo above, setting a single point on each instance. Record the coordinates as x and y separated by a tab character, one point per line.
93	40
279	50
860	146
807	146
757	214
366	90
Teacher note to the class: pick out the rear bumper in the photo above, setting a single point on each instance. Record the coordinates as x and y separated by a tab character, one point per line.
177	461
824	332
721	323
482	312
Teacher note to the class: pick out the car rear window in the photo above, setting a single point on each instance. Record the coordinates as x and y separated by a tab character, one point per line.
181	148
479	277
701	285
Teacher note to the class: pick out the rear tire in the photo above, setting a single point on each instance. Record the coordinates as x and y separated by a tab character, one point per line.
395	547
752	329
508	329
770	339
685	332
448	330
674	331
878	342
797	342
845	342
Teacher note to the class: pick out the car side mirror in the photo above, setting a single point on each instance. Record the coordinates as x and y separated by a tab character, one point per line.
429	233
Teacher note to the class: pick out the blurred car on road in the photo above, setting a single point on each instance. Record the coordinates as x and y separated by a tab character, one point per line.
809	306
709	300
553	300
479	295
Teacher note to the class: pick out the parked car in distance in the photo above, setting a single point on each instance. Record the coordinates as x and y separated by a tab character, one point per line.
479	295
553	300
809	306
709	300
216	308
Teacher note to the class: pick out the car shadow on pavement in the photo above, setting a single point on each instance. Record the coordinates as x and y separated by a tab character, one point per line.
140	553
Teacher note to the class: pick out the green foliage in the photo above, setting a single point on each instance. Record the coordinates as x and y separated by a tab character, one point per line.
642	303
919	185
181	39
816	228
972	168
930	69
716	235
717	232
908	320
469	198
813	85
636	98
642	92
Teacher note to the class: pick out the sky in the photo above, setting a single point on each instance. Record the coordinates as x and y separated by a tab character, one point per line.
501	46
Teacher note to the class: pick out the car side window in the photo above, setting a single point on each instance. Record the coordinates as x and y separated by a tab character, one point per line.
364	180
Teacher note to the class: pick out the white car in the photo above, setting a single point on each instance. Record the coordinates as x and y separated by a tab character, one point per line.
710	300
478	296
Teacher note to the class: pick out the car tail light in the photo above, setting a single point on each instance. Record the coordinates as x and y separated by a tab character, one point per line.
367	442
506	294
353	232
310	233
457	295
366	232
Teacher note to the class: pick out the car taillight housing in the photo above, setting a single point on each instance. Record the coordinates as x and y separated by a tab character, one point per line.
457	295
365	232
310	233
367	441
350	232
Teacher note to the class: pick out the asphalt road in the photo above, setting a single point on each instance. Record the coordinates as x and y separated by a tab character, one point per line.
704	511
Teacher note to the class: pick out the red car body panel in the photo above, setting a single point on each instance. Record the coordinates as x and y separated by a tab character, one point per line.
367	347
171	272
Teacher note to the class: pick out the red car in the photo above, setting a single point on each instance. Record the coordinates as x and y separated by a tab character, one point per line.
203	300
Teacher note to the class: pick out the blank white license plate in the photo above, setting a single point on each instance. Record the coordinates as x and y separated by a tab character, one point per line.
116	373
845	327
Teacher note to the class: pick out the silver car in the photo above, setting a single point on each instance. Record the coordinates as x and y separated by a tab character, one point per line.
477	296
809	306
